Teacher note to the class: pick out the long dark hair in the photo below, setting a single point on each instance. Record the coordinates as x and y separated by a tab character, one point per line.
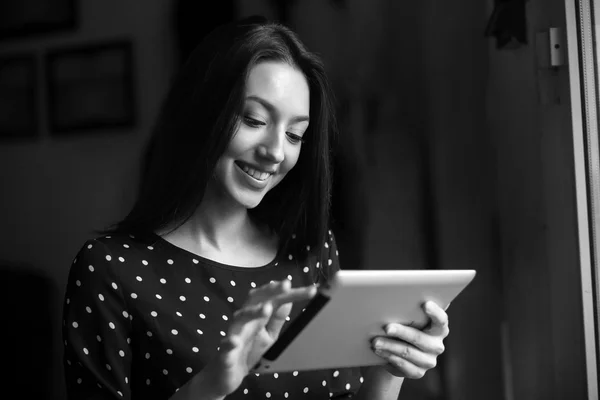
199	117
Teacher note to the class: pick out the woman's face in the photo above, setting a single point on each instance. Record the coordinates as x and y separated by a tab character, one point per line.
267	143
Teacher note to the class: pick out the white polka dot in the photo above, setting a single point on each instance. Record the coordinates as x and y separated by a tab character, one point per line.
75	324
206	298
78	282
108	237
305	390
163	280
114	286
230	299
174	331
245	391
147	356
289	277
317	264
286	395
202	316
268	395
121	353
225	317
89	310
336	374
108	367
324	383
188	370
330	395
144	262
257	374
98	338
326	245
305	269
170	262
153	313
133	296
165	372
361	379
125	314
337	253
222	333
79	380
212	280
128	341
108	258
199	332
150	248
290	256
121	259
195	261
68	301
101	297
149	334
179	314
347	386
138	278
275	375
112	326
329	262
295	373
120	394
188	280
329	231
158	296
91	268
182	298
89	246
169	351
253	284
288	318
126	245
147	381
293	236
85	351
195	349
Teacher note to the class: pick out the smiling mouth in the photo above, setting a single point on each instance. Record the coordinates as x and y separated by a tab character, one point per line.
254	173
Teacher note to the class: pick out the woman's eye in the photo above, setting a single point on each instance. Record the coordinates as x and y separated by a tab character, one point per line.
254	123
294	139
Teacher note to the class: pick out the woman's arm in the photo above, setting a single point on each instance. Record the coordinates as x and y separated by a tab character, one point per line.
379	385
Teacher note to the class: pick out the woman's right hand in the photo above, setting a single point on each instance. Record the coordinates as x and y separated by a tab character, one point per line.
254	328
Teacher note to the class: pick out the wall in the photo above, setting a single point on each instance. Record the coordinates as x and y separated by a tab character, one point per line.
55	191
532	136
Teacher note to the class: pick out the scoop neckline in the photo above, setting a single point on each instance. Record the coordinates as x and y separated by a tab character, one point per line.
165	243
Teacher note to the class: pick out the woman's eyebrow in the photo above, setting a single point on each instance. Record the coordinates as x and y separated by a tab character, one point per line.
271	108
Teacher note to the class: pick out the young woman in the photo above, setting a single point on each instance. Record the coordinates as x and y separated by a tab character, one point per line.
226	242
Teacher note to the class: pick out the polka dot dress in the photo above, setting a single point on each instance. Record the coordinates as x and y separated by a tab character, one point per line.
143	316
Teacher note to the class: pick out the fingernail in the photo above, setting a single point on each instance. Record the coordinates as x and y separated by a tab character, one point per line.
377	344
429	307
389	329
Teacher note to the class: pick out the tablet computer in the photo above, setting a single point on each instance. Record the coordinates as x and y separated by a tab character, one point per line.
337	325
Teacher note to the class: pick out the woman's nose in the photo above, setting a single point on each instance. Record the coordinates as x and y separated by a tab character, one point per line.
272	146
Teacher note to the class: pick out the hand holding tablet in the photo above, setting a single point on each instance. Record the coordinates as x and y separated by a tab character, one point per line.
339	324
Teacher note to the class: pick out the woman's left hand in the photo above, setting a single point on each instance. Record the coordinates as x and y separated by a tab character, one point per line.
411	352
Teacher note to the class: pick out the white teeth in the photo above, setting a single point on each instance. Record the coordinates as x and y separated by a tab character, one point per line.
261	176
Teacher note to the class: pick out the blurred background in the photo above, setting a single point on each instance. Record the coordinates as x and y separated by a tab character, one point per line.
451	156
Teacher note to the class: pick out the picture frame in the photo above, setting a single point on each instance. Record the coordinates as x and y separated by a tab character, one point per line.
90	87
19	91
22	18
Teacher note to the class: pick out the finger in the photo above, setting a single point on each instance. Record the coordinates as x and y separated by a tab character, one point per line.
401	367
249	320
283	305
280	292
405	351
422	340
439	319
